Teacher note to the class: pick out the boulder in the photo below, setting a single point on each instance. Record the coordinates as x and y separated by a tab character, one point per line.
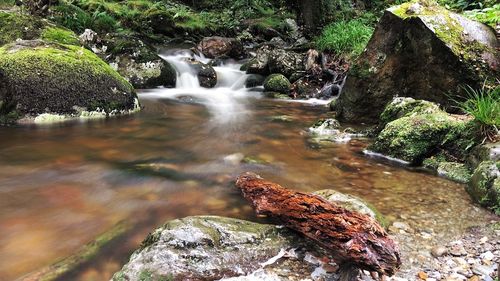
286	62
254	80
331	130
401	107
259	63
217	248
214	47
415	137
43	81
418	50
135	60
484	186
483	152
277	83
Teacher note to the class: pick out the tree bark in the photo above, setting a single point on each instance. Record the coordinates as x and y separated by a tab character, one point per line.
355	240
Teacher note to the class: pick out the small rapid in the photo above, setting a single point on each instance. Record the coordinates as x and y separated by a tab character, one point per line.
226	102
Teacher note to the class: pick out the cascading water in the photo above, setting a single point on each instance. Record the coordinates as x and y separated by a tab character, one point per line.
226	101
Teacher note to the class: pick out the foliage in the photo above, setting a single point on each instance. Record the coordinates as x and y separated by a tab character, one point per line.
489	15
5	4
347	38
484	105
71	16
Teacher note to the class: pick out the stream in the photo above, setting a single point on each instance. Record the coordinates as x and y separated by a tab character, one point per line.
61	185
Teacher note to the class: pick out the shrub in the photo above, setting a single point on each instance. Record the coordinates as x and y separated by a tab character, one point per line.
490	15
484	105
346	38
71	17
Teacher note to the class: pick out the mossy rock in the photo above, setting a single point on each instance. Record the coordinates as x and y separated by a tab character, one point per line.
454	171
413	138
484	186
352	203
15	26
419	50
41	79
402	107
277	83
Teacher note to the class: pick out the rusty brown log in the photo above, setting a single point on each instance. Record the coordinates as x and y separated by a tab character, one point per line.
354	240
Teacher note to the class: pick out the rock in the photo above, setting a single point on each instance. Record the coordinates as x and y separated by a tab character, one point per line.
234	159
260	63
425	53
304	89
44	82
412	138
422	275
329	91
277	83
483	152
402	107
293	29
286	62
254	80
457	249
352	203
271	59
331	130
135	60
438	251
214	47
88	37
484	186
206	73
212	248
454	171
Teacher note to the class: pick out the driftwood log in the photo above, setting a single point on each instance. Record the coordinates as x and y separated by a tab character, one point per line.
356	241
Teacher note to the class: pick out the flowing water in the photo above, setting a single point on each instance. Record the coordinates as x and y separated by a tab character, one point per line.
62	185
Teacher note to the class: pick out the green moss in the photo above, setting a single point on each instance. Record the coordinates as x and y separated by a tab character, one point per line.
7	4
413	138
15	26
454	171
402	107
277	83
60	35
484	186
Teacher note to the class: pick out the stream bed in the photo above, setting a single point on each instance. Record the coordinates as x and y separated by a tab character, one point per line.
62	185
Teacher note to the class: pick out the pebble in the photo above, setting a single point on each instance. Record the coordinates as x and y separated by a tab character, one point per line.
422	275
439	251
488	256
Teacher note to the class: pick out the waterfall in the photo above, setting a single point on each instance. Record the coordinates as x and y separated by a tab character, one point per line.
226	101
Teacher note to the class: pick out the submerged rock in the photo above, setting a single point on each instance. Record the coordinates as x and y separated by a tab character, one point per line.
484	186
277	83
425	53
50	81
214	47
330	129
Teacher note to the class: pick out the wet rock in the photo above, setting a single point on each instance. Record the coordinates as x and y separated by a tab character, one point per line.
260	63
213	47
424	53
206	73
254	80
484	186
329	91
304	89
135	60
213	248
277	83
45	82
331	129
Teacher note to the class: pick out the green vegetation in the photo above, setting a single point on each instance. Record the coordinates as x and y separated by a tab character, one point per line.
6	4
14	26
484	105
60	35
346	38
489	15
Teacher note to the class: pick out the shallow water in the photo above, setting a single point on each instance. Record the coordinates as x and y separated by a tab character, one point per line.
62	185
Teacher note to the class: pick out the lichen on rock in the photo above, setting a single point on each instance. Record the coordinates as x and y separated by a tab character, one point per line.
484	186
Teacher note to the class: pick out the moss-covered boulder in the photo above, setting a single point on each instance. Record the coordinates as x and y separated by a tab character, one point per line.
47	81
14	26
415	137
484	186
277	83
403	107
418	50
